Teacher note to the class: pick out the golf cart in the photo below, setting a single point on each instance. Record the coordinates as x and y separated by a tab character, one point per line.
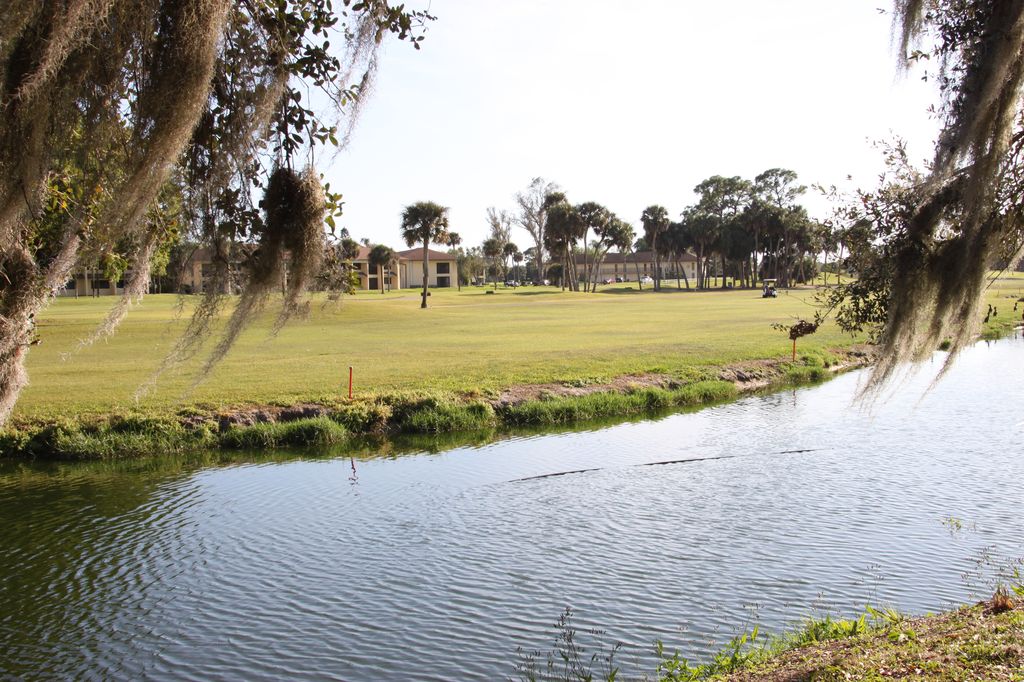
768	289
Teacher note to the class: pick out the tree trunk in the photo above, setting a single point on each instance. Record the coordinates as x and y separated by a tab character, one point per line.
26	291
426	271
540	261
636	262
586	272
657	264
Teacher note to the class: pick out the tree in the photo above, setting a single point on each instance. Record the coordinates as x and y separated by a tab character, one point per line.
700	226
500	223
382	258
425	222
492	250
677	241
338	275
969	210
613	233
471	263
776	192
721	202
510	250
137	94
655	221
532	216
453	241
564	227
595	217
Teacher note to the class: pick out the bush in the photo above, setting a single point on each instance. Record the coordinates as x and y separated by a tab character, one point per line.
363	417
435	416
319	431
121	438
805	375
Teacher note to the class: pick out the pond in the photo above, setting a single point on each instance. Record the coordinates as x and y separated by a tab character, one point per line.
437	566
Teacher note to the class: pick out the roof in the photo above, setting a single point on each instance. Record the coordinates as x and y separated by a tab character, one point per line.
417	254
645	257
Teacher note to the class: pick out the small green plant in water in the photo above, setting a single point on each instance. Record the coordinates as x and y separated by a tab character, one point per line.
738	653
567	661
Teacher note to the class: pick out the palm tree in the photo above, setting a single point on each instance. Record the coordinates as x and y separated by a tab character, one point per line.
492	252
564	228
619	234
454	239
508	250
677	241
655	221
517	258
382	257
702	235
425	222
594	216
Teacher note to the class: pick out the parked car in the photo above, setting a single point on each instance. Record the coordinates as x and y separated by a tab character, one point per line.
646	279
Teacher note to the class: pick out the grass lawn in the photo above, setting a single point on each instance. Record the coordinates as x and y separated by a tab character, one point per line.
467	341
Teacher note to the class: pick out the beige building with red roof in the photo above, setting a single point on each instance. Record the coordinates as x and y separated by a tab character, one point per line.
626	266
442	268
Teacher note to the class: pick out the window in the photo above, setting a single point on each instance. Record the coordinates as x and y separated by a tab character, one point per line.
373	284
444	282
444	268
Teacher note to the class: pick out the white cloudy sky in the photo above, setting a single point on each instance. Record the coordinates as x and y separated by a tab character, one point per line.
624	103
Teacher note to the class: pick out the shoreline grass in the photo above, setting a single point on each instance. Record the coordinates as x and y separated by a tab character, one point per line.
970	642
977	642
137	435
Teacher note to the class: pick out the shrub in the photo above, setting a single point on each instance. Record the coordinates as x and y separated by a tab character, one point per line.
443	416
363	417
319	431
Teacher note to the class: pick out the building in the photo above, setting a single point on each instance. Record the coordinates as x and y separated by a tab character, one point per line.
90	282
369	275
195	272
197	269
625	266
443	268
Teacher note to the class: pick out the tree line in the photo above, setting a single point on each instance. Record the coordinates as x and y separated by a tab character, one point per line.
739	231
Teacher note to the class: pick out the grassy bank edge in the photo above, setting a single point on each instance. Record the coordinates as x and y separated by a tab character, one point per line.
326	423
980	641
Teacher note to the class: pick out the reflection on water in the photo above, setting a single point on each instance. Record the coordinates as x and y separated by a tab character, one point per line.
437	564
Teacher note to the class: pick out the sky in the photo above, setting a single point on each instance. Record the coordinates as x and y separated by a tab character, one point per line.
627	104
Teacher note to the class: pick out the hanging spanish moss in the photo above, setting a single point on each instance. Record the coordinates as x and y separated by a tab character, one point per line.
292	234
128	97
969	208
